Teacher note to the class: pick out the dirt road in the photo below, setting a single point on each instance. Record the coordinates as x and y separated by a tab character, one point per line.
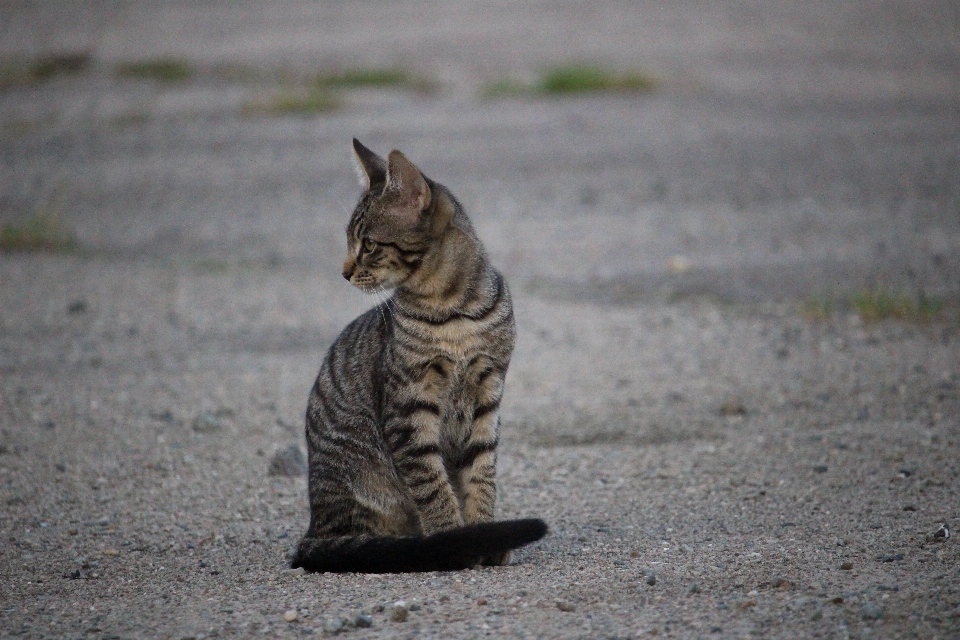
723	443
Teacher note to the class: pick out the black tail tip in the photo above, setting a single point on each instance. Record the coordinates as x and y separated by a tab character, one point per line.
532	528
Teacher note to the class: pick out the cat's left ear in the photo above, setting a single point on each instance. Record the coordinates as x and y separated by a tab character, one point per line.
371	168
408	183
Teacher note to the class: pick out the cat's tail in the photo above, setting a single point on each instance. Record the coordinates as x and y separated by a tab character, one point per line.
450	550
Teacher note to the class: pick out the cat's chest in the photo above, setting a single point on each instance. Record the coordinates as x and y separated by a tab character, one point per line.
457	341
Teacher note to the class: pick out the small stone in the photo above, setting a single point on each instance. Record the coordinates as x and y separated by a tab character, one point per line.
872	611
77	306
733	408
782	584
363	621
679	264
651	578
399	611
332	626
289	462
820	468
846	566
909	507
72	532
565	606
207	423
110	552
940	534
290	616
753	593
693	588
481	601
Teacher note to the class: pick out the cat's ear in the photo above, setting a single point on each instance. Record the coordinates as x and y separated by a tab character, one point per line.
408	183
371	168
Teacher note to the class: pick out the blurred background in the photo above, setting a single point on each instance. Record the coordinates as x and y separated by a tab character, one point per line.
612	151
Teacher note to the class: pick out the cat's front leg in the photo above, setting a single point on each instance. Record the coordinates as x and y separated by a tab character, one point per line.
476	462
414	439
477	476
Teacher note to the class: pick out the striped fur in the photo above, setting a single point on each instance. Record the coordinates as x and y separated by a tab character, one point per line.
403	420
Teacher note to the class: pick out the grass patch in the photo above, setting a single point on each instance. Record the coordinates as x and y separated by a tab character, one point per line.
874	305
42	232
163	70
592	79
880	303
42	69
382	77
294	103
571	80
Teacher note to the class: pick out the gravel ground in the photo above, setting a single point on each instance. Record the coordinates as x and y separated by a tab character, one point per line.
714	455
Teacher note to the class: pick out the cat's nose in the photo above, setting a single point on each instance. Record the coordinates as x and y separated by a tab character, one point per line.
348	268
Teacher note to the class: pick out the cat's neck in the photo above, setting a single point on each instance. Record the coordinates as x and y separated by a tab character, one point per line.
455	278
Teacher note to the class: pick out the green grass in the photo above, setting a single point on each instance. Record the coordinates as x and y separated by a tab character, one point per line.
383	77
161	69
293	103
592	79
880	303
571	80
876	304
42	232
43	69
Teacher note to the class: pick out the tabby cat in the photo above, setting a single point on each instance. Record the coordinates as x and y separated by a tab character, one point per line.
403	420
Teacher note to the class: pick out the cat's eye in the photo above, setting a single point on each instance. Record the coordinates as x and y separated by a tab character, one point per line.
369	244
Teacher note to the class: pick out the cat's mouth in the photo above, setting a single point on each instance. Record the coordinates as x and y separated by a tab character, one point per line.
371	285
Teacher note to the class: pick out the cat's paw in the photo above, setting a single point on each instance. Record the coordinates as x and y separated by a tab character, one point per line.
497	559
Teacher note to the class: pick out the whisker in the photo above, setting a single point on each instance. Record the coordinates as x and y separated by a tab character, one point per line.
389	300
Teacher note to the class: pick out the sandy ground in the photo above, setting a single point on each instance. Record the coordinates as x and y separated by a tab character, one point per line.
714	456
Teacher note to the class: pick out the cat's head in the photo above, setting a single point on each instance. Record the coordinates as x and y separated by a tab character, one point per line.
400	217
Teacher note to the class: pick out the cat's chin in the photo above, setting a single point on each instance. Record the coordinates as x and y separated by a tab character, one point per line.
376	288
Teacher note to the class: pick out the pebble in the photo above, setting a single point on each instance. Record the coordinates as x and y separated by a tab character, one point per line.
872	611
77	306
693	588
290	616
207	423
333	626
733	408
289	462
565	606
846	566
652	578
399	611
363	621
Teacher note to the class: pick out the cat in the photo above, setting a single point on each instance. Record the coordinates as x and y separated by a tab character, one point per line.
403	421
